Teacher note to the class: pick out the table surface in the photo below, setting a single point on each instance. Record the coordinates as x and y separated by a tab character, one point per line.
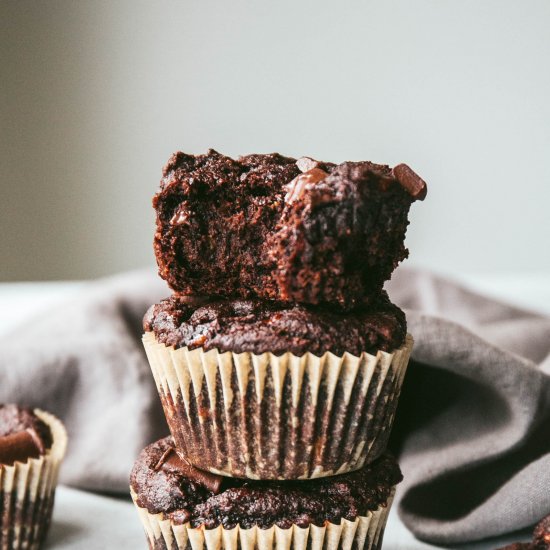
87	520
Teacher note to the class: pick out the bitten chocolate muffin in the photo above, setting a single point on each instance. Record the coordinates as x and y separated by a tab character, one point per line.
257	326
277	228
32	445
164	483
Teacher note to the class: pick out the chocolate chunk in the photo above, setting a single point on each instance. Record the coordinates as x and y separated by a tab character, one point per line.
37	440
195	300
411	181
297	187
305	164
18	447
172	460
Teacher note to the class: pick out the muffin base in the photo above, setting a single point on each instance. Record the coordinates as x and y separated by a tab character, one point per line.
278	417
365	533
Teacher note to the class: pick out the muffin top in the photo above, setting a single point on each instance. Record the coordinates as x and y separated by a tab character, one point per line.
23	434
166	483
257	326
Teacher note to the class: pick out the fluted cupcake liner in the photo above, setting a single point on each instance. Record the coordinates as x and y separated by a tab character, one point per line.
278	417
27	491
365	533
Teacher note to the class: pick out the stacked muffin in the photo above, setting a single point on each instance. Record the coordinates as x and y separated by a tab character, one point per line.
279	358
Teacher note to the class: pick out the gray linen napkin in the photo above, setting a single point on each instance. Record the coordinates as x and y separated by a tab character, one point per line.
473	425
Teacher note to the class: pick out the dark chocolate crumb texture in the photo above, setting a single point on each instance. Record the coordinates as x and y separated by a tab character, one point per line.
277	228
162	485
257	326
22	435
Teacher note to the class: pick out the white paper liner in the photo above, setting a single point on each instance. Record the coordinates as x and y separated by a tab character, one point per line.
27	492
365	533
278	417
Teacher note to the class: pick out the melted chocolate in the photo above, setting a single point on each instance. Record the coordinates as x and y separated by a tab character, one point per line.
22	434
18	447
171	460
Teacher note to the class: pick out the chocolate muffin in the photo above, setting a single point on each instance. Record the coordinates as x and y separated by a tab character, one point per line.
276	228
258	390
32	445
190	505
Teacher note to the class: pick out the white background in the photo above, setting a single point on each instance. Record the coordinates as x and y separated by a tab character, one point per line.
96	95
